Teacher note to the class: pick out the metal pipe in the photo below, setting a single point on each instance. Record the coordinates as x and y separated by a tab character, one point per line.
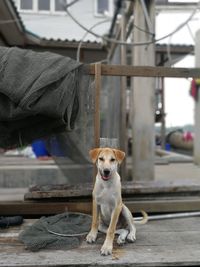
117	9
146	14
170	216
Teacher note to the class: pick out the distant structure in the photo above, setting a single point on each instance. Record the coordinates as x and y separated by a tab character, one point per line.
48	19
55	27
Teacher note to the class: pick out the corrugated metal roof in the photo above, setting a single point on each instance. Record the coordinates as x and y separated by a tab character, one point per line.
73	43
176	48
50	40
69	41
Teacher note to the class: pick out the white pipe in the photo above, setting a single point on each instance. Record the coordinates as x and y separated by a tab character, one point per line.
170	216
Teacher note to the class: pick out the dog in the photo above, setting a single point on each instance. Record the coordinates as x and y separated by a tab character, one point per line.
109	214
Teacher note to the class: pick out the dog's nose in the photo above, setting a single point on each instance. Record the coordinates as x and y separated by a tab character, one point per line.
106	172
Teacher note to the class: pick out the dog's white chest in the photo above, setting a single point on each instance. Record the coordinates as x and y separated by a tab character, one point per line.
106	199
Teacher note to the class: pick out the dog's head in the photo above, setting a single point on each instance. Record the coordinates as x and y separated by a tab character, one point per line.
107	160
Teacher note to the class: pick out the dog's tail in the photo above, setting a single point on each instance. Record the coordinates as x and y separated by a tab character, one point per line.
144	219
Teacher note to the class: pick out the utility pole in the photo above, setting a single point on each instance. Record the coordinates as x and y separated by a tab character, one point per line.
143	94
197	106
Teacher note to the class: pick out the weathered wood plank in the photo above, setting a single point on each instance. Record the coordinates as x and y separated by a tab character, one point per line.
42	208
159	243
128	188
164	205
97	104
143	71
135	205
90	256
142	119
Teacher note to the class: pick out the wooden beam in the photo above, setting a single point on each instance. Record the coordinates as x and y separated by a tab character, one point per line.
173	204
97	104
143	96
43	208
163	126
169	187
123	127
164	205
143	71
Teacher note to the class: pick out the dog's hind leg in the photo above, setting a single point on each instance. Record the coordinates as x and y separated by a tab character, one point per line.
123	233
131	237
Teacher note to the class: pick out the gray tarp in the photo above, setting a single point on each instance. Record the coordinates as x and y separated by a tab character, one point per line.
38	95
47	95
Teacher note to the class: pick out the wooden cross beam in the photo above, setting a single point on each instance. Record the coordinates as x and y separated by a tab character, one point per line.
143	71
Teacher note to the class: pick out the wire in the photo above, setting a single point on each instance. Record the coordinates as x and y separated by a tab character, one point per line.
86	33
142	30
146	15
185	23
112	40
134	44
190	32
181	25
66	235
71	3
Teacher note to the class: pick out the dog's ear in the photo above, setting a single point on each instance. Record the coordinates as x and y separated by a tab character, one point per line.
119	155
94	154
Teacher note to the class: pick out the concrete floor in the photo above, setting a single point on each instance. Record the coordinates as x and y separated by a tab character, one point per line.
183	171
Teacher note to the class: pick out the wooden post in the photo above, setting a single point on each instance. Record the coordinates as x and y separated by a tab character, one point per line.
163	130
97	77
143	98
123	128
97	104
197	106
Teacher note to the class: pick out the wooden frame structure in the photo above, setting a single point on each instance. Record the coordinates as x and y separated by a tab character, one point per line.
143	71
131	71
159	196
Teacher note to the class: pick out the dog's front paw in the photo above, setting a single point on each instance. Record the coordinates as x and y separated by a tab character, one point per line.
131	237
91	237
106	250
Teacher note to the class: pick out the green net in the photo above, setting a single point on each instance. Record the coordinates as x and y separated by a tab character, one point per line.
47	232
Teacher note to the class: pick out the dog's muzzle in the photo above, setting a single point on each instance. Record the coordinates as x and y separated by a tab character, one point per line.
106	174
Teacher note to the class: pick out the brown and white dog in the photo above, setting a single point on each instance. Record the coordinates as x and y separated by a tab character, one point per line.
109	214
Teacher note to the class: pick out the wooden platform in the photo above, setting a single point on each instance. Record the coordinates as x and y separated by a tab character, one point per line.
176	188
173	242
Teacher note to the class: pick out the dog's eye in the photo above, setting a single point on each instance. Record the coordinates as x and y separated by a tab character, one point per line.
101	159
112	160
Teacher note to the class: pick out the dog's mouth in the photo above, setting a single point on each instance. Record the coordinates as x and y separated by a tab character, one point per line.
105	176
